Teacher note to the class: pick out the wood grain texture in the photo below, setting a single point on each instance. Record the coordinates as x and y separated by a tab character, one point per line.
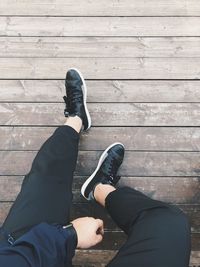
102	91
135	163
182	190
102	257
168	189
103	47
142	65
103	8
129	114
4	209
98	138
101	68
109	26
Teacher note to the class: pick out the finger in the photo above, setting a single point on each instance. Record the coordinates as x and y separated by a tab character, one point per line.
99	223
99	238
101	231
101	227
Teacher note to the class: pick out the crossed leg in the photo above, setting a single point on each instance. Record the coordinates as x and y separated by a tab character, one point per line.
46	191
158	234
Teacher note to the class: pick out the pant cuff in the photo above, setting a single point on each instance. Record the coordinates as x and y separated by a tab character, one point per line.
66	130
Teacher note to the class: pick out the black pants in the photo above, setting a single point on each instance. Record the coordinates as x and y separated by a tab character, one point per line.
158	235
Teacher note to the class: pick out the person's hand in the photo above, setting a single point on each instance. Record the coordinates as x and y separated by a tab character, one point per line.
89	231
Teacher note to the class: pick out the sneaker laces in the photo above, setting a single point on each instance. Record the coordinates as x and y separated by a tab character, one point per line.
70	100
112	168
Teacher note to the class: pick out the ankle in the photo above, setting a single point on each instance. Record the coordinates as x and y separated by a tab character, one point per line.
101	192
74	122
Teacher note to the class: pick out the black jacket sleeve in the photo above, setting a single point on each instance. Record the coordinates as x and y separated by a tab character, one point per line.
43	246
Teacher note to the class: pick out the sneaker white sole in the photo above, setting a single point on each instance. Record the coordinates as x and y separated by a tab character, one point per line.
84	88
101	160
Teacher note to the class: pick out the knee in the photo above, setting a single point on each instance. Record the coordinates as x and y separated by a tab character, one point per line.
175	220
178	215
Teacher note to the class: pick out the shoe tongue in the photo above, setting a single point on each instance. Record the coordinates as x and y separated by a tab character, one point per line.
106	178
116	164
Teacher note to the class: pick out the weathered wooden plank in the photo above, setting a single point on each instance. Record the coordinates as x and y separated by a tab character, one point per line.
103	8
93	257
135	163
109	26
99	47
98	138
9	187
102	257
102	91
4	209
169	189
143	138
193	214
116	114
172	190
149	163
101	68
195	259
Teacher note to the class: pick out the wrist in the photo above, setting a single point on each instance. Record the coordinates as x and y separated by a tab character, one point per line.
71	231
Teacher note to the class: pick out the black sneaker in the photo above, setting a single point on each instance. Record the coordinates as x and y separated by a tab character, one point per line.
106	170
76	95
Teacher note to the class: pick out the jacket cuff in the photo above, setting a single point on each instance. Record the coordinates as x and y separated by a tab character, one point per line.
71	238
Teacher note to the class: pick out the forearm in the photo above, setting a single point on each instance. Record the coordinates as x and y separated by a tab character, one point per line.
45	245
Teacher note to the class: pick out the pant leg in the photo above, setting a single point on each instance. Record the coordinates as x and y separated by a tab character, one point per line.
46	192
158	234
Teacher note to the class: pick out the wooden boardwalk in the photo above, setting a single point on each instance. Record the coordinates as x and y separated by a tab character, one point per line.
141	60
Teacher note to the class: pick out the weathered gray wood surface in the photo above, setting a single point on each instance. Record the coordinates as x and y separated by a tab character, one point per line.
101	8
126	47
103	91
142	65
117	114
109	26
134	138
135	164
182	190
101	68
